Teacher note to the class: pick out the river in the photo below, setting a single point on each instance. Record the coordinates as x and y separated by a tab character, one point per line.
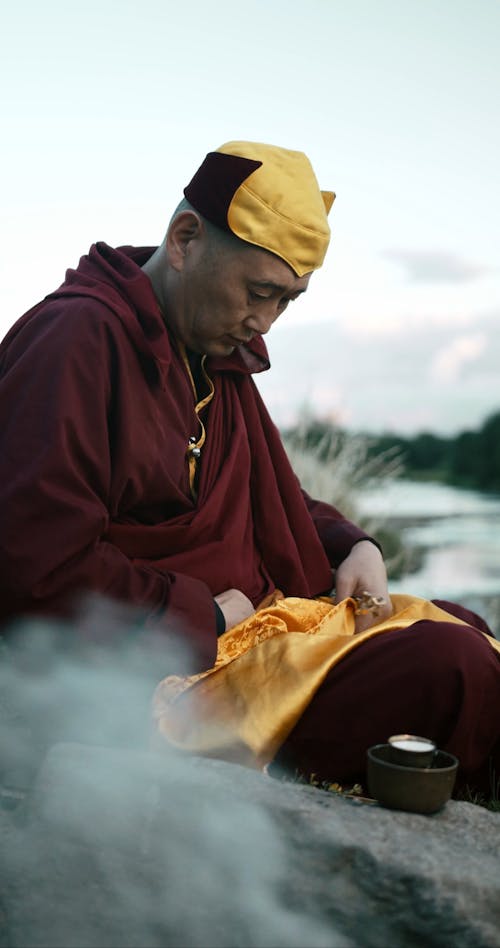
458	530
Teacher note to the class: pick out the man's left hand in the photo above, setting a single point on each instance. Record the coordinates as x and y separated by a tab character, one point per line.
363	571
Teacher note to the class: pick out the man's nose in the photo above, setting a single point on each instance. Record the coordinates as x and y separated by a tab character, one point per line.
262	318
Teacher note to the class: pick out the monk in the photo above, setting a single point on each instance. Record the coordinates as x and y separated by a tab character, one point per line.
138	461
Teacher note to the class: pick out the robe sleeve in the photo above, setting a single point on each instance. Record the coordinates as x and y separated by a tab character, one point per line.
55	473
337	534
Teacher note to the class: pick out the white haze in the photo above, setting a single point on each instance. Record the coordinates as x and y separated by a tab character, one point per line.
138	848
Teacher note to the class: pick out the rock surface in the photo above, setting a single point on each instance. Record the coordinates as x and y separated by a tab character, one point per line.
124	848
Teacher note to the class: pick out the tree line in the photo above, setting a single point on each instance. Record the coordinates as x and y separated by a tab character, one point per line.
467	459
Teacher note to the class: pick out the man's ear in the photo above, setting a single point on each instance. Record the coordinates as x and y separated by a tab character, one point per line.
185	228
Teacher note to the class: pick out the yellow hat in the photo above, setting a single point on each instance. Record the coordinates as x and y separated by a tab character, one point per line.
267	196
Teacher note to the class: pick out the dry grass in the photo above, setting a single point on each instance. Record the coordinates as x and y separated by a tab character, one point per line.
357	792
339	466
336	470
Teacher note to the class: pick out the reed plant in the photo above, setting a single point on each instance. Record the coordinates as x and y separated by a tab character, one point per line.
336	467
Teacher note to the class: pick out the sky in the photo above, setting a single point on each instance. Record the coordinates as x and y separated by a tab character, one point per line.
109	108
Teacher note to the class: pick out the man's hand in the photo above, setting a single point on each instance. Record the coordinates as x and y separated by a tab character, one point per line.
235	606
364	571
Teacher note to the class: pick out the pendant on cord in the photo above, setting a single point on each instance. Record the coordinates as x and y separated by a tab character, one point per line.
192	448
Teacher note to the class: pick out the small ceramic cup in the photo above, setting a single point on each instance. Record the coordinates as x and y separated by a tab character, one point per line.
414	789
408	750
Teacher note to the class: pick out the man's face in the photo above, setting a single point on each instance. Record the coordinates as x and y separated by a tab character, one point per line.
226	295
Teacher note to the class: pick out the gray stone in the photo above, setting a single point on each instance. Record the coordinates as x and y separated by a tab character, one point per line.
123	848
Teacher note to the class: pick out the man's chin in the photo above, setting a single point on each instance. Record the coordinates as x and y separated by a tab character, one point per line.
222	347
217	348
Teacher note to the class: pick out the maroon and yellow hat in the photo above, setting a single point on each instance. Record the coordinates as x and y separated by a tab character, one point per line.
267	196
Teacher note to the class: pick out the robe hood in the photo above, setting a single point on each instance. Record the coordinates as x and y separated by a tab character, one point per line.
115	279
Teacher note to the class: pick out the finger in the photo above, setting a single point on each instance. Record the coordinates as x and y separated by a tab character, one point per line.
362	623
365	620
345	586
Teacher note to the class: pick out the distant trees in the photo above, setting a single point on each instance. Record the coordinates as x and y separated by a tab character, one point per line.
475	456
424	453
468	459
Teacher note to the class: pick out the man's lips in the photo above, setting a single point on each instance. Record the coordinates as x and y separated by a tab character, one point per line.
239	342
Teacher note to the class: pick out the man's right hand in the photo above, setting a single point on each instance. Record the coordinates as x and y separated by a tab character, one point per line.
235	606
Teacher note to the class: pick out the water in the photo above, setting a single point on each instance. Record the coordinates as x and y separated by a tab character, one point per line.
458	529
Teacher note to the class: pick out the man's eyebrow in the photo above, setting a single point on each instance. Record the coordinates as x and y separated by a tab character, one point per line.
278	287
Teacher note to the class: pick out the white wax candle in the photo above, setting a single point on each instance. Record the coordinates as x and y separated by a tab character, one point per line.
413	745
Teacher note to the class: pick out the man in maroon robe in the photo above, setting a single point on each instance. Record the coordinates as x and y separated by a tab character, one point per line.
138	459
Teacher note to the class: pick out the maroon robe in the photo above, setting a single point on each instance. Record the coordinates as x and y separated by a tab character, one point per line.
436	679
96	412
97	409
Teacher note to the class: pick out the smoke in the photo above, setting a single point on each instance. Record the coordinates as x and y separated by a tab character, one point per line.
114	844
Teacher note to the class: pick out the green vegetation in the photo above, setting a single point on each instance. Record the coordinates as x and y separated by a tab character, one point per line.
469	459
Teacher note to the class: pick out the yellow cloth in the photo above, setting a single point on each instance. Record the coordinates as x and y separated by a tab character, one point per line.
267	670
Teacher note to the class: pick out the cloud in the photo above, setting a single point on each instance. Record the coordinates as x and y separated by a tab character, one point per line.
436	266
448	362
432	376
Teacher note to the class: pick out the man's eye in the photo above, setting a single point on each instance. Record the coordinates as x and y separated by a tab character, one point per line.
257	296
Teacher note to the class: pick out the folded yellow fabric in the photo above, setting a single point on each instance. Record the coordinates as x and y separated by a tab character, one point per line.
267	670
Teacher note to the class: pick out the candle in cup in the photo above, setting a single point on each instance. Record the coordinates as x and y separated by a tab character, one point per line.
412	751
412	744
